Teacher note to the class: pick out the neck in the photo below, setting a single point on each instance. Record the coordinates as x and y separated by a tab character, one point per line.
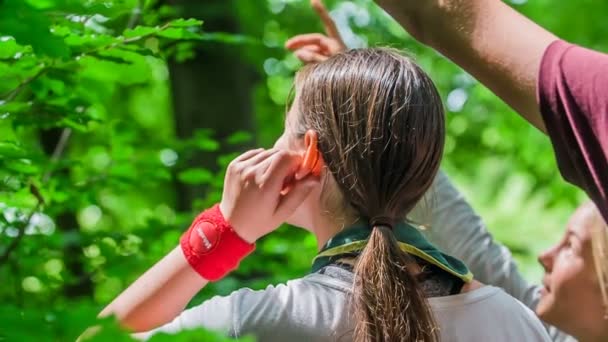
589	335
324	227
592	338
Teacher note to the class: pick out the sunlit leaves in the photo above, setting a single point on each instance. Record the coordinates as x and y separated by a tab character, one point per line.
140	31
99	68
186	23
30	26
74	64
195	176
10	149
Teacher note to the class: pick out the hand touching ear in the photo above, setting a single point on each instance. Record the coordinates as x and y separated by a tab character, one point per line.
252	200
317	47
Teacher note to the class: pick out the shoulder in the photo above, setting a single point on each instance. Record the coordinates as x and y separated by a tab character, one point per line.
504	318
307	307
267	313
310	285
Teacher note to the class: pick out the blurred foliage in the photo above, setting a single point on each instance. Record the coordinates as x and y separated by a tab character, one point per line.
96	74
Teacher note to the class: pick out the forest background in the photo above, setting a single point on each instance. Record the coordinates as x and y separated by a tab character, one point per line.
118	118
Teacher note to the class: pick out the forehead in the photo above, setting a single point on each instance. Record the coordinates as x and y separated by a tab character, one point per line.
585	220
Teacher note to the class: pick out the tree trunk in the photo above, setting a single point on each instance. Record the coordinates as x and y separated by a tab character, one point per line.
211	91
66	222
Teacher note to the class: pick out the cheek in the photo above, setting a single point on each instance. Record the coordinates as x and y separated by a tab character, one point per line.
301	217
568	288
567	273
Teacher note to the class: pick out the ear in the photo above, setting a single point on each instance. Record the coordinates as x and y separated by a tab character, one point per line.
312	161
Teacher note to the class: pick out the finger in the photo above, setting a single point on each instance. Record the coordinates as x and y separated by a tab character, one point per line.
247	155
302	40
313	48
308	56
283	166
290	202
261	172
328	22
251	166
235	166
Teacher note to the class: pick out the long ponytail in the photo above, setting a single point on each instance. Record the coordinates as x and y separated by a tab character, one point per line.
381	131
388	303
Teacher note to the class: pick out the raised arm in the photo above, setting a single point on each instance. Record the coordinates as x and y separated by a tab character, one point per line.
158	296
217	240
455	228
317	47
494	43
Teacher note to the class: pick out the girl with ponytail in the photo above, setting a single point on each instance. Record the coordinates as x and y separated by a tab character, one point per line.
362	144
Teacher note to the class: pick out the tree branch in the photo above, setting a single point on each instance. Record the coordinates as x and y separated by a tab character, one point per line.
64	137
136	14
58	151
20	233
13	93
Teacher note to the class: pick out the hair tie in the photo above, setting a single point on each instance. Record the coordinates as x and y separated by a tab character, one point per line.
382	221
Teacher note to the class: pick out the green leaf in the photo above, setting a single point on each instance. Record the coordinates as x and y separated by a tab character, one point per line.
78	126
14	107
140	31
148	50
42	4
184	51
24	166
30	26
90	41
195	176
47	87
11	149
186	23
179	34
239	138
228	38
110	58
124	171
202	140
109	73
9	48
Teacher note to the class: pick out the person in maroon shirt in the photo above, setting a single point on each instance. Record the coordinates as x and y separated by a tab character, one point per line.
573	101
561	89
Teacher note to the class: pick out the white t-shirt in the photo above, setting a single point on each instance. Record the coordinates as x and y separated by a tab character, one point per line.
315	308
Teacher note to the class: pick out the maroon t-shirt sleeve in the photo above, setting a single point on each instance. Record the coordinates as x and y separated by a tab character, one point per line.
573	99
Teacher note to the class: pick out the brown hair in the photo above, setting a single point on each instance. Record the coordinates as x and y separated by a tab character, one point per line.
381	133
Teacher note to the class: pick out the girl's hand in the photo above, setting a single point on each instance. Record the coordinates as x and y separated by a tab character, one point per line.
252	201
316	47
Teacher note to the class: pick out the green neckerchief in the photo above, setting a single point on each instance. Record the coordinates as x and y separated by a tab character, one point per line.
353	239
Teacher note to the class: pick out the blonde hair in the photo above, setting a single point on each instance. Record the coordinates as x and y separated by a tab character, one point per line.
599	248
599	243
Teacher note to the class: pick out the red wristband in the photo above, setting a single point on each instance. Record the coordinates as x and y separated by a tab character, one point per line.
212	247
